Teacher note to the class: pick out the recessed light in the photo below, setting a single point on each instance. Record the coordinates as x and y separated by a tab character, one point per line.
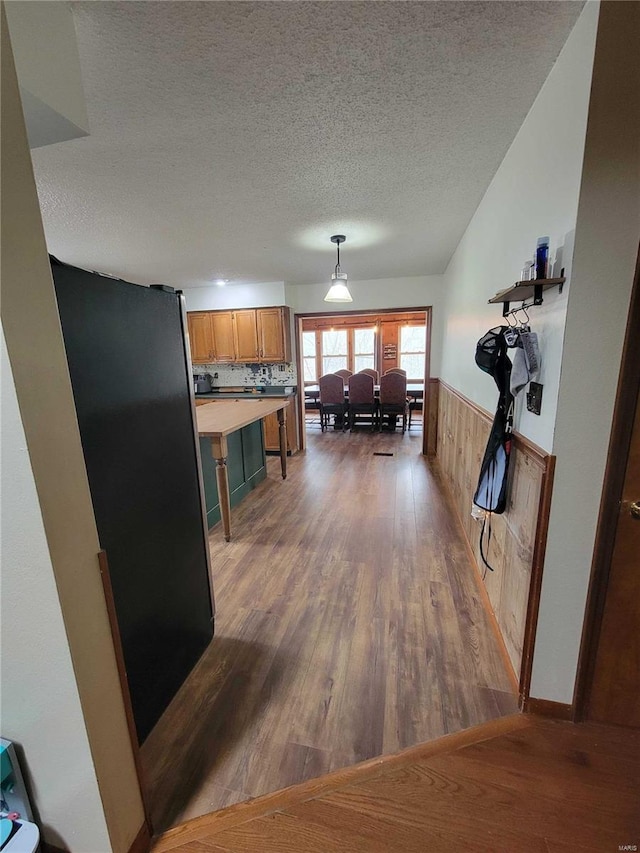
222	281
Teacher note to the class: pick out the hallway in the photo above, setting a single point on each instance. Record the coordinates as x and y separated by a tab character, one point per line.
350	624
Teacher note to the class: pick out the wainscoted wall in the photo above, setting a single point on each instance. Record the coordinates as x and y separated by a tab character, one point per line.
518	536
432	417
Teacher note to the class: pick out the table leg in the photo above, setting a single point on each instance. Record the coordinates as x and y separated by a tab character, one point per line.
219	450
283	443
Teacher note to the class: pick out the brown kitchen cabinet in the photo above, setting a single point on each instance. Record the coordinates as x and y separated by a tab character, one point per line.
223	335
245	336
200	336
272	431
242	337
274	339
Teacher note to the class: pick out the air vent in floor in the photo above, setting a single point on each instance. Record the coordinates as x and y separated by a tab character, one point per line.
382	454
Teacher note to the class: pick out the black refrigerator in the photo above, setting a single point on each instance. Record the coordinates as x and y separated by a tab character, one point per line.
131	378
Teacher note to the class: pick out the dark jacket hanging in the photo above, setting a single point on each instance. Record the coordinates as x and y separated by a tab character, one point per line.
491	356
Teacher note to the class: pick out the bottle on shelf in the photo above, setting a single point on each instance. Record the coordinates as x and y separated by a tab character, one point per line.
542	258
528	271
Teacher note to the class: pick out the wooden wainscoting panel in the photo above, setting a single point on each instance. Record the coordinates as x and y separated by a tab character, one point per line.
432	417
463	430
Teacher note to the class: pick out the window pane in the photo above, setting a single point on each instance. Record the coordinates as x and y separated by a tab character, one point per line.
362	361
334	343
310	372
363	341
333	363
413	363
309	344
413	338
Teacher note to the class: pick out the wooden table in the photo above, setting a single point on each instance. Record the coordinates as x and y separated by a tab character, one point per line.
218	420
415	390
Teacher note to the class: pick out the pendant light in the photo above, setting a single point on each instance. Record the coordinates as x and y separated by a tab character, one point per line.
338	292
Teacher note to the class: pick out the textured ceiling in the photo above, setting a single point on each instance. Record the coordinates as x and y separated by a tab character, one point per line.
232	139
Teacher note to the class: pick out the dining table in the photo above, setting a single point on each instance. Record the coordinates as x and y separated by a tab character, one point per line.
415	390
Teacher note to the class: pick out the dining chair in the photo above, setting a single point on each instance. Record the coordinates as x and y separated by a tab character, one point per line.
371	372
332	399
344	373
393	399
362	399
413	403
312	404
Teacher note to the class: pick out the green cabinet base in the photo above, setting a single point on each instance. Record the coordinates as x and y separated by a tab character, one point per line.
246	466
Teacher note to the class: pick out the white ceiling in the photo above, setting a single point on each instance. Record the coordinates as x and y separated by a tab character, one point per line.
232	139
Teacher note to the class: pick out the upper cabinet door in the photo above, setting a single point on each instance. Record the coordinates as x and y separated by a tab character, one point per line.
246	336
223	337
274	340
200	337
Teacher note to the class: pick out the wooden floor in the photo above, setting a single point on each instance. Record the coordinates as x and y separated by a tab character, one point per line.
520	785
350	624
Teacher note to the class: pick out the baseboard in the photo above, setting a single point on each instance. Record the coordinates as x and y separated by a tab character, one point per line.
547	708
142	842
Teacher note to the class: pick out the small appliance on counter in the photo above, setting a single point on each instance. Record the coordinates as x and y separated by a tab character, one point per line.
202	383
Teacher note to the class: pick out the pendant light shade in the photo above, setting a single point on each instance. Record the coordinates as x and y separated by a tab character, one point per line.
338	292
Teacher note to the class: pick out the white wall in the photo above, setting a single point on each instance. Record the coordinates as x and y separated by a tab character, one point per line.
534	193
48	64
606	249
40	706
407	292
31	327
233	296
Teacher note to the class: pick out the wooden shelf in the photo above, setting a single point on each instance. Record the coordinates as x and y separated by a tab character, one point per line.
523	290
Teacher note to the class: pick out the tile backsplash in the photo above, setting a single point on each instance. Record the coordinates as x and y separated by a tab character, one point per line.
248	374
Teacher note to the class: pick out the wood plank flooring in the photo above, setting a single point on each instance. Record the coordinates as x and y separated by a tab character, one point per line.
519	785
350	624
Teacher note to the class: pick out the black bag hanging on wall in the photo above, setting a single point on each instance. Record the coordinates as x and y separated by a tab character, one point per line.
491	356
491	493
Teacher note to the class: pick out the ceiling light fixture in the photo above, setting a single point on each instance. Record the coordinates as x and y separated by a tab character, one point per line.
222	281
338	292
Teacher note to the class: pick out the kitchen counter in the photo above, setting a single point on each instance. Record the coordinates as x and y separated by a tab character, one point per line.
250	393
226	425
227	416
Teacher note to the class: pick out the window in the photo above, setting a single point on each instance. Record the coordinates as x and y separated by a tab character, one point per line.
364	346
413	347
335	353
360	342
309	359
